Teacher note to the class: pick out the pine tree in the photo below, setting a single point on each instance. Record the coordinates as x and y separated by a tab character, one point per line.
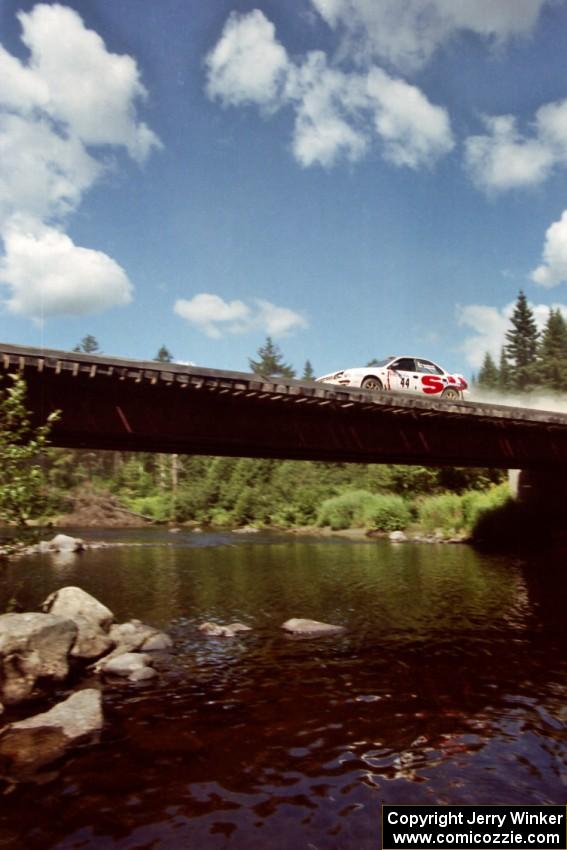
504	373
522	345
270	362
552	360
488	377
88	345
164	355
308	373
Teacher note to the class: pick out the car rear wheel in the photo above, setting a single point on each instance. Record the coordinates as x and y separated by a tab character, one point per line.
451	394
371	383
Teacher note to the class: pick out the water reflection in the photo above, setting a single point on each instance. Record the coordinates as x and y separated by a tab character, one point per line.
448	685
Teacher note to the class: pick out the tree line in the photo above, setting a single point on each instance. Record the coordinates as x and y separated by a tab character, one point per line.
529	359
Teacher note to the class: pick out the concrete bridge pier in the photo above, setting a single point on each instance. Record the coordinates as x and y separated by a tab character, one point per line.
541	491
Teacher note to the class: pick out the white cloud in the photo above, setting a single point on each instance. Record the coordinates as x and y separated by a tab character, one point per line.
503	159
490	326
48	275
213	316
553	270
57	108
337	113
415	131
206	311
277	321
328	105
42	173
407	35
92	91
247	64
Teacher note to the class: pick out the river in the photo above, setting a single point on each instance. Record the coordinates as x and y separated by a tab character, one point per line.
448	685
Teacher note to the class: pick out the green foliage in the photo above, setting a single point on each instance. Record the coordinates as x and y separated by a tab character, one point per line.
308	373
359	508
387	513
522	345
552	359
164	355
345	511
270	362
158	506
452	514
21	448
88	345
488	375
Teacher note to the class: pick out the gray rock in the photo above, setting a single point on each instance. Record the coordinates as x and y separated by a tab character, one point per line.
310	628
134	666
39	740
65	543
93	620
32	647
216	630
397	536
157	642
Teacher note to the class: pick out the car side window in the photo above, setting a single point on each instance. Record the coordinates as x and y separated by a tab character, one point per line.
428	367
404	364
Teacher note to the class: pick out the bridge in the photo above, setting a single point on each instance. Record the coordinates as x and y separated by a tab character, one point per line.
134	405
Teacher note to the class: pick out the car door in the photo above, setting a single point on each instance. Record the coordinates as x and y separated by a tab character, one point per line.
403	376
431	378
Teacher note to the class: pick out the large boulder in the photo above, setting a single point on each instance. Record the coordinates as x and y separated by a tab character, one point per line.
93	620
39	740
310	628
32	647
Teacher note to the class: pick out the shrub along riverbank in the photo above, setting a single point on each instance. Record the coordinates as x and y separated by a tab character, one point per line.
233	492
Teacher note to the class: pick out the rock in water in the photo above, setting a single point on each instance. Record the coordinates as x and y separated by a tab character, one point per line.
32	647
36	741
310	628
93	620
133	666
65	543
216	630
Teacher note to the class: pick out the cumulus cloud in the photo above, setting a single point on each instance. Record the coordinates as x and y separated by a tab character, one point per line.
214	316
405	36
504	158
490	325
415	132
553	270
337	113
207	311
48	275
57	109
247	64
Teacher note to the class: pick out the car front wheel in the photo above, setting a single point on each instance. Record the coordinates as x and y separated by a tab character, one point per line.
371	383
451	394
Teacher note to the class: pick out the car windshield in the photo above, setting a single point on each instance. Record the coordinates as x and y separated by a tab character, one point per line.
380	363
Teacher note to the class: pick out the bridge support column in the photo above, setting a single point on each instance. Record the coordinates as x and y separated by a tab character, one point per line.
542	491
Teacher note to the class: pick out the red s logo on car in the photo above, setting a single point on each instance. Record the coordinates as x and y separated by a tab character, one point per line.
432	384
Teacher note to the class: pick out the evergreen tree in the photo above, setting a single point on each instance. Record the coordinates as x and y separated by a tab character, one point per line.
522	345
504	373
270	361
552	360
164	355
308	373
88	345
488	376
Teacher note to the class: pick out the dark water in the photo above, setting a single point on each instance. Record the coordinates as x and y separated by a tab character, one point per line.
449	685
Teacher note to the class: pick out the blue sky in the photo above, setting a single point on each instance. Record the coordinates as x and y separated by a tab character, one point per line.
356	178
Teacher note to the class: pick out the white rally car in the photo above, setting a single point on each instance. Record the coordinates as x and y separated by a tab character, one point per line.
404	374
